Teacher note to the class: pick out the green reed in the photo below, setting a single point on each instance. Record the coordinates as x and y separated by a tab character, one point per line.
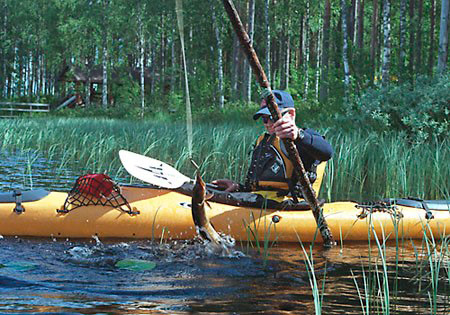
365	165
385	166
317	295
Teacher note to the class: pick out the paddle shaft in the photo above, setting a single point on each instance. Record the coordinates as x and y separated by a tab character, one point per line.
299	169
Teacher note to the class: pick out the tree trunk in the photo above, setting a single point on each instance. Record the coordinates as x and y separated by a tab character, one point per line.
306	37
443	39
142	58
105	55
173	62
419	37
386	42
355	21
105	75
374	38
20	81
41	82
3	37
88	81
219	57
285	49
153	68
29	75
235	68
345	48
402	47
301	44
351	19
323	95
267	27
318	55
287	60
162	52
36	74
411	38
360	33
43	71
432	30
248	69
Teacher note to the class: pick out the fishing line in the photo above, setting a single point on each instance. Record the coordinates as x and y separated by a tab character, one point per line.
179	11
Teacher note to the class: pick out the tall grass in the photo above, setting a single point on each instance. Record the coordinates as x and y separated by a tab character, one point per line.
387	166
365	165
423	279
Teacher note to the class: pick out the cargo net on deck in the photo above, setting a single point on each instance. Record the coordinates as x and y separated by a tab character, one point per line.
96	189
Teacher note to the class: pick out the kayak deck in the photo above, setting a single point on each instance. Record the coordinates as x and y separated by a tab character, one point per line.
167	214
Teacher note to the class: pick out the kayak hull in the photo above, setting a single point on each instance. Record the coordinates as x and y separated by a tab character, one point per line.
166	214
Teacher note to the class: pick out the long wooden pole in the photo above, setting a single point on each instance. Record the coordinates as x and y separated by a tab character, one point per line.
299	169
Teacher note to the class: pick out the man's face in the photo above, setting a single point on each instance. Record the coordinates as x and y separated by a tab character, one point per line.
266	119
287	114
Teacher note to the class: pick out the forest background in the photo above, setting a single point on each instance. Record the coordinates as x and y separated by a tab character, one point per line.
373	64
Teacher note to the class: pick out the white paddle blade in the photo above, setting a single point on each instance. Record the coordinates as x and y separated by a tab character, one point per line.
152	171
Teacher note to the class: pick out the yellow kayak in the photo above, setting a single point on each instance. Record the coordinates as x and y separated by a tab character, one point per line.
153	213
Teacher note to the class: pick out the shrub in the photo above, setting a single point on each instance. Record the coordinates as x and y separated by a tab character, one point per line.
419	110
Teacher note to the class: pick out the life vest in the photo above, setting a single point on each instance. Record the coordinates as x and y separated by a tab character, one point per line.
271	168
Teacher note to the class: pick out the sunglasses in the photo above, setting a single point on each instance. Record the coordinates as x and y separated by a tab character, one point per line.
267	118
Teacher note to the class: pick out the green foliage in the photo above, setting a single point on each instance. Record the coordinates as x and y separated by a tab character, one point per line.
421	110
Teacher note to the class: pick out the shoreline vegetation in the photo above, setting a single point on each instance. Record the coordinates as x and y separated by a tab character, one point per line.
366	166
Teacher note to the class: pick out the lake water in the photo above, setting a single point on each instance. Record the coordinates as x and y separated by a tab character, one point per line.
67	276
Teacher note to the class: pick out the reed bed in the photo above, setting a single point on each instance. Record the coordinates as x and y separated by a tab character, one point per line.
389	280
365	165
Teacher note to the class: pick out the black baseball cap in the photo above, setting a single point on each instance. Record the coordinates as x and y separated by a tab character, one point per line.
282	98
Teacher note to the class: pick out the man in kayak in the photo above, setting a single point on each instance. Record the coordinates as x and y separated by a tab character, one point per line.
270	167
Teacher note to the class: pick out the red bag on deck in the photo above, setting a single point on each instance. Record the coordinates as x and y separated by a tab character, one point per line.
97	185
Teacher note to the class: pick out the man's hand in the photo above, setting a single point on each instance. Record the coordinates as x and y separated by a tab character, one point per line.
285	127
226	184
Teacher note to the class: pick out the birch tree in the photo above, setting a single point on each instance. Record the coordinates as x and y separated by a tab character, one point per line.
402	46
267	28
419	36
306	48
345	48
411	65
4	48
219	56
443	38
323	95
355	21
318	57
374	38
105	54
285	49
248	69
235	67
386	42
432	39
141	35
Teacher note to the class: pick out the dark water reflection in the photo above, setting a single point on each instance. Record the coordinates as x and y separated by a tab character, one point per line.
31	170
81	277
69	276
